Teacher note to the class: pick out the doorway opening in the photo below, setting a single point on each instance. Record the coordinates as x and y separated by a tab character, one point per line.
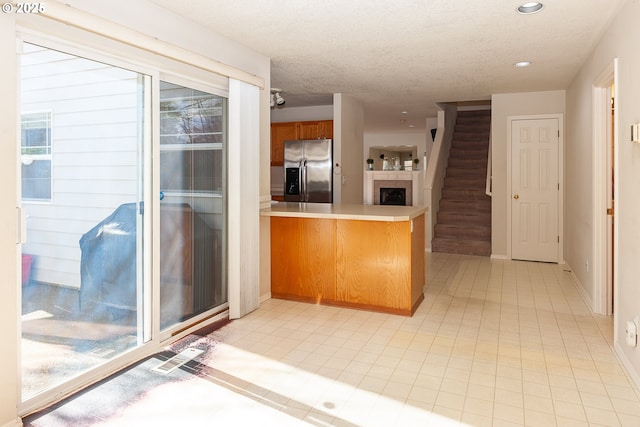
604	155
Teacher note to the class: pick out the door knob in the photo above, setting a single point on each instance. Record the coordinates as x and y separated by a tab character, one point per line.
515	196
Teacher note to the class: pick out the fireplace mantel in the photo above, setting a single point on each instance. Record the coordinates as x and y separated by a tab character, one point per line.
416	178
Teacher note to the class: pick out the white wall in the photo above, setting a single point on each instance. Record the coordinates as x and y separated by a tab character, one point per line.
435	172
348	137
8	249
620	41
503	106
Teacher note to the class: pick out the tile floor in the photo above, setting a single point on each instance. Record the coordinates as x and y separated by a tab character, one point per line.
494	343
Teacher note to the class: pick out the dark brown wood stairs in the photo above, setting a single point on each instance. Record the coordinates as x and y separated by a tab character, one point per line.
464	220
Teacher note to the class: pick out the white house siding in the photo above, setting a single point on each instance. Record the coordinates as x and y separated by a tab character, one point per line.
94	154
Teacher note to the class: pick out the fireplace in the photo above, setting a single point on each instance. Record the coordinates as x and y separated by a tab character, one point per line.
393	196
392	192
411	181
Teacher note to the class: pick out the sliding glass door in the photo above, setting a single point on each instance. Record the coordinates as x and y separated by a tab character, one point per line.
90	190
192	203
82	178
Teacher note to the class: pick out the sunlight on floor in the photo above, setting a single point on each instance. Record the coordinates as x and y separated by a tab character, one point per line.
494	343
269	392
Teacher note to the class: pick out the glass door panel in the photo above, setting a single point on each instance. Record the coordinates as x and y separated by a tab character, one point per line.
192	202
82	143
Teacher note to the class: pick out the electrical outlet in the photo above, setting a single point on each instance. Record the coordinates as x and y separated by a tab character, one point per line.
631	332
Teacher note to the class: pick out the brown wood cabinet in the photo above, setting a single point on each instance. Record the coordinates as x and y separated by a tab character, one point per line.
302	272
281	132
374	265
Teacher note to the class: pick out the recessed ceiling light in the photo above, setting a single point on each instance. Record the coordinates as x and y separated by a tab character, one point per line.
412	126
521	64
530	7
404	112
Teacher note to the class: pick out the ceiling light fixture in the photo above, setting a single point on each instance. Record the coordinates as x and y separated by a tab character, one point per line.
530	7
276	98
521	64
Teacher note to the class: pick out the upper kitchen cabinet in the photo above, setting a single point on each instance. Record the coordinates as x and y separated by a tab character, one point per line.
280	132
316	129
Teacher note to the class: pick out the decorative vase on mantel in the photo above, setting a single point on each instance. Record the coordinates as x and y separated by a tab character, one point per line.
369	164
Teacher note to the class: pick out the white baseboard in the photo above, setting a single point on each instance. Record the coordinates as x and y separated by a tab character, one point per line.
265	297
265	202
585	297
15	423
628	366
499	257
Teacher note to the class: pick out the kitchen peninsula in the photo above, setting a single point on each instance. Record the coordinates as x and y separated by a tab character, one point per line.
362	256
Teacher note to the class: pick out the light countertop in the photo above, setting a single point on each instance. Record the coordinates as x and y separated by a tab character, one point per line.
339	211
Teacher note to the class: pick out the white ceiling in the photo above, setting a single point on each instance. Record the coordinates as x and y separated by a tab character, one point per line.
407	54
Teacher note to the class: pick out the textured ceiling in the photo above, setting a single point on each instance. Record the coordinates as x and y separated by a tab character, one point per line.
407	54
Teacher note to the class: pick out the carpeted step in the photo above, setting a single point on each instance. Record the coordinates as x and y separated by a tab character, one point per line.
456	152
472	128
463	182
470	144
471	135
467	172
467	162
464	215
461	218
463	247
460	232
465	194
464	206
485	113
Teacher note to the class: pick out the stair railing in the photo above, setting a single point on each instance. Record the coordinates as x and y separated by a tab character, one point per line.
489	183
437	166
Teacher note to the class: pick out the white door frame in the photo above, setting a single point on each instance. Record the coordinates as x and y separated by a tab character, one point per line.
560	118
603	297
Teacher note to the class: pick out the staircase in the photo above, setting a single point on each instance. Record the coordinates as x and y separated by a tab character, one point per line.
464	219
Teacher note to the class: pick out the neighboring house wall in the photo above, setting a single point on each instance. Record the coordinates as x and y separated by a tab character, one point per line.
620	41
503	106
91	133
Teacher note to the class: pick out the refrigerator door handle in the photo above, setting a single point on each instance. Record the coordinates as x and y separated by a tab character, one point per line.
303	180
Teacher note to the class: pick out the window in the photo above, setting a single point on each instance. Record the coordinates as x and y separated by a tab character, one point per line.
107	144
192	210
87	243
36	156
192	133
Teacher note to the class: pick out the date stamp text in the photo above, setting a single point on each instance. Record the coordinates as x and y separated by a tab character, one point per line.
26	8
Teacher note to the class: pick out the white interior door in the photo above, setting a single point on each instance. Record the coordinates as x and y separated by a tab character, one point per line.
534	189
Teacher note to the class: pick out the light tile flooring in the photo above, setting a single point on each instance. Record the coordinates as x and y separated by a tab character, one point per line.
494	343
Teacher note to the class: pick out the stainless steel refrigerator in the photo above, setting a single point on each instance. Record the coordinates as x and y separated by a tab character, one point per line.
308	167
